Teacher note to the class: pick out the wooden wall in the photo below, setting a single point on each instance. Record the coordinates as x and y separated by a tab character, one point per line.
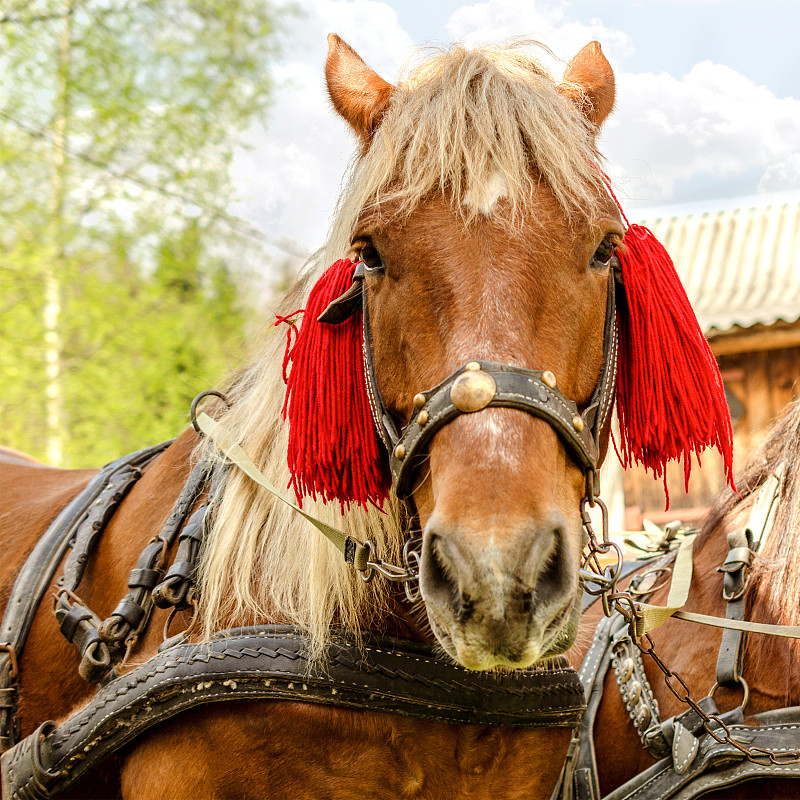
760	383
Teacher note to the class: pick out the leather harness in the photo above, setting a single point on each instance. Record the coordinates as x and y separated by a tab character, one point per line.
263	662
269	662
691	760
48	761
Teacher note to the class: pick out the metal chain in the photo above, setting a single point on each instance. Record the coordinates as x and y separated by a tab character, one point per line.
605	579
605	583
677	685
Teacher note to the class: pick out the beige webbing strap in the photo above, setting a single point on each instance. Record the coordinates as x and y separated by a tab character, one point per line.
787	631
653	616
354	551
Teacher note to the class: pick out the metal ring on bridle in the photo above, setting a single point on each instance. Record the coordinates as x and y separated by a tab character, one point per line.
196	403
745	691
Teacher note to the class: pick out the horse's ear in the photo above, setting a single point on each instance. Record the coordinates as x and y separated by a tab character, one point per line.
358	93
589	82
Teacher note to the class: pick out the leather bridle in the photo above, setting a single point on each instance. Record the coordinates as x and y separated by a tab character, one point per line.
480	384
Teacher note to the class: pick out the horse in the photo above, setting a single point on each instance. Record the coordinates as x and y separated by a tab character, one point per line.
476	235
764	678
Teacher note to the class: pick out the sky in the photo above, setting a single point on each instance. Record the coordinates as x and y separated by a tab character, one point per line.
708	97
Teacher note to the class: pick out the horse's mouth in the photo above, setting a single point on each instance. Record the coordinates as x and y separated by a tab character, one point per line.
471	653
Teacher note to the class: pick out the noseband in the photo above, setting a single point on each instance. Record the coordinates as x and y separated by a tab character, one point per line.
485	384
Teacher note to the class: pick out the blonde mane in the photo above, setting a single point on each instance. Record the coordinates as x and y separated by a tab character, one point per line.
457	122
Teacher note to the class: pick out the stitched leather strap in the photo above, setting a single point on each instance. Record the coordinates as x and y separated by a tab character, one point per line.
37	573
578	779
386	675
716	765
518	388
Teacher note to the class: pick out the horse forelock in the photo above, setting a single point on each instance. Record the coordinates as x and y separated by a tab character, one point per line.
477	126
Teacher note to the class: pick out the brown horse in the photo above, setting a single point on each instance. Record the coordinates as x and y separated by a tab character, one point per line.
477	206
768	663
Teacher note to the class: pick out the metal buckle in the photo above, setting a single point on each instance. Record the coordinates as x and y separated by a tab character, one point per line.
406	574
9	648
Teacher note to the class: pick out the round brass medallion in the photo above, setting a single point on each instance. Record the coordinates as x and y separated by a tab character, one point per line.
473	390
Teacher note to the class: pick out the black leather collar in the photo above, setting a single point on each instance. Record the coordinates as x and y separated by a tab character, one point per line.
270	662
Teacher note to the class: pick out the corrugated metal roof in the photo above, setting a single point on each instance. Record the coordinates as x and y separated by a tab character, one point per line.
740	265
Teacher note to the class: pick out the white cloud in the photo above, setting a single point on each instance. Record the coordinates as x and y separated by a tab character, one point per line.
782	175
546	21
289	180
701	134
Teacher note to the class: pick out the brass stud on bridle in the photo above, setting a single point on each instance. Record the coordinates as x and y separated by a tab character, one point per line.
419	401
577	423
473	389
549	379
400	452
422	419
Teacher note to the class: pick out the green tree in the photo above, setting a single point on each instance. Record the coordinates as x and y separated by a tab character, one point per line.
118	124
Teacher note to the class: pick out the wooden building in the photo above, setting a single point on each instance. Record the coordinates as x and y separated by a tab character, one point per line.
740	265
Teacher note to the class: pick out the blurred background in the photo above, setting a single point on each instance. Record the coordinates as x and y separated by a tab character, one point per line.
166	166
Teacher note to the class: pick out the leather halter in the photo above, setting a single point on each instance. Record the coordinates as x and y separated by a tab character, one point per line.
532	391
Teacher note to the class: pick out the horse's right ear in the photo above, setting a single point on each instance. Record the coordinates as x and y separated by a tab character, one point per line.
589	82
358	93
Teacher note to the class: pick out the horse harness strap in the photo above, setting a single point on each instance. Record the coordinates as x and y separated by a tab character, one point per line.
743	544
692	761
37	573
266	662
482	384
695	762
718	765
270	662
579	776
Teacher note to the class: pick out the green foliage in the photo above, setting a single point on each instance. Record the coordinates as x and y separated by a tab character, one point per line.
118	123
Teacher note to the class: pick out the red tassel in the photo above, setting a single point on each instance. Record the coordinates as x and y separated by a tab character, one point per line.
670	397
334	452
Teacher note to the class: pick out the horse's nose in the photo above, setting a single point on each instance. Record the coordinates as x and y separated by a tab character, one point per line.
503	591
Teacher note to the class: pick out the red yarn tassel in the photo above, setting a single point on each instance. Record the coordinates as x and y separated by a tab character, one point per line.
670	397
334	452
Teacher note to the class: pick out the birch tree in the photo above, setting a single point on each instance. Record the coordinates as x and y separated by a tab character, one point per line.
118	123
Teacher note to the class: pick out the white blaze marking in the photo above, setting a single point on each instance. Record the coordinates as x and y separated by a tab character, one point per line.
484	198
500	442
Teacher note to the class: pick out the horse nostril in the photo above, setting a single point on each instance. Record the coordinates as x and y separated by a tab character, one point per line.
527	602
436	573
554	575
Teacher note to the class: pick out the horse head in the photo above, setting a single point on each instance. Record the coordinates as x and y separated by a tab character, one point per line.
486	235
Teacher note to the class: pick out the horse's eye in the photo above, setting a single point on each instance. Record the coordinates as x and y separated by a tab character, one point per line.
603	253
371	258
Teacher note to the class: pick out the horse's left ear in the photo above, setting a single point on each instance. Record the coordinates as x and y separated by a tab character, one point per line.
358	93
589	82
